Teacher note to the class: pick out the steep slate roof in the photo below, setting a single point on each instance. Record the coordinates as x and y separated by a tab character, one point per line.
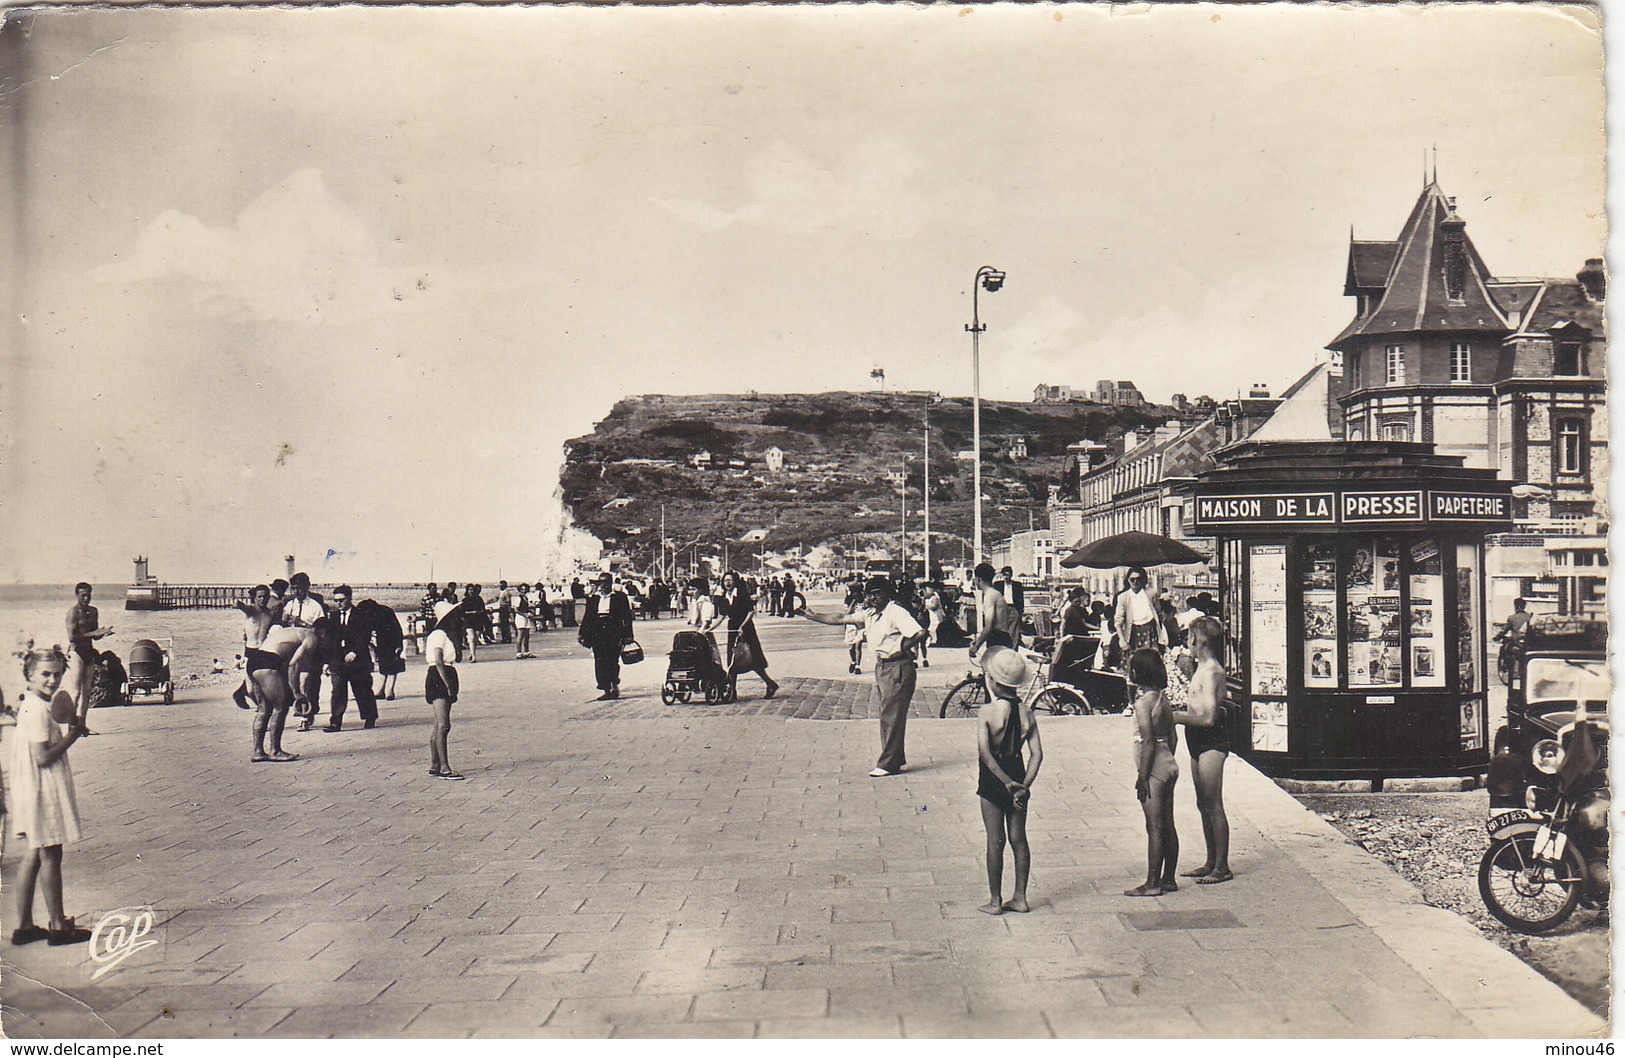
1369	265
1414	297
1563	301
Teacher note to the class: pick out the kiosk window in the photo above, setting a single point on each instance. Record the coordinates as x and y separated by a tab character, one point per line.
1424	623
1375	636
1266	618
1266	645
1322	660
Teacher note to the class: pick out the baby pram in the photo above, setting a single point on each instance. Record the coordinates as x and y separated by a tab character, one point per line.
692	668
148	671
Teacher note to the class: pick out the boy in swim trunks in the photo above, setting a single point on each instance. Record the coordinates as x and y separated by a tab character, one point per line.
1207	736
1003	783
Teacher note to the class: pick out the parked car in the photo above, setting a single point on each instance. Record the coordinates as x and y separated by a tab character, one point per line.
1561	670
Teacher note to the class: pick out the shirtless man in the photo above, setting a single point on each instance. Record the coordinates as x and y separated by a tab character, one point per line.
83	632
997	622
260	615
275	667
1207	736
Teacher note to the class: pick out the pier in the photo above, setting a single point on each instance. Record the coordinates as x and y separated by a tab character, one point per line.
224	596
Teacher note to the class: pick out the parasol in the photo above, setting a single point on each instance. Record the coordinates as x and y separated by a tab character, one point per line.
1133	548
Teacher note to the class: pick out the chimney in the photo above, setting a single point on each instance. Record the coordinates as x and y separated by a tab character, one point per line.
1131	440
1594	279
1259	391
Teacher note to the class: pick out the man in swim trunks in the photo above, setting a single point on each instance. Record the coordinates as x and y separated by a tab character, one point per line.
258	618
1206	718
997	622
83	631
275	666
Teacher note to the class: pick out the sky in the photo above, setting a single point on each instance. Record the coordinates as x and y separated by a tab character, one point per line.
340	283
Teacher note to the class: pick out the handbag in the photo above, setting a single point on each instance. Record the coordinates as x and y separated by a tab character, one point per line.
743	659
631	653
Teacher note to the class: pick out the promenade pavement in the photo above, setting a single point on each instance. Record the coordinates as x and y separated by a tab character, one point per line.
632	870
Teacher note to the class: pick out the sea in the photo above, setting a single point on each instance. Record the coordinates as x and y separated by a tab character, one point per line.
195	638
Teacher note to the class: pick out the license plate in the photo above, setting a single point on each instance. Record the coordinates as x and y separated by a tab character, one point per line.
1501	819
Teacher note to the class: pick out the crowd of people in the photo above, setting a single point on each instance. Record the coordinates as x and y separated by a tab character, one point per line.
1175	678
293	638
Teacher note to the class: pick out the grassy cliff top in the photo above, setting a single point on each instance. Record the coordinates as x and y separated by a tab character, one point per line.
839	487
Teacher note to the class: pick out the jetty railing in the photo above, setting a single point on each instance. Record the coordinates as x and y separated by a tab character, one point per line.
224	596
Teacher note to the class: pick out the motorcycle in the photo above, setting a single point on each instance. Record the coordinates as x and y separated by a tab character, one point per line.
1551	855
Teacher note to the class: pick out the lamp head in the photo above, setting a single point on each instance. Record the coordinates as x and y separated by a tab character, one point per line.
992	280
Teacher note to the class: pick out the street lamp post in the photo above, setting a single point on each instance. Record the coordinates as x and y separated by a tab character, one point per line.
990	279
926	483
902	535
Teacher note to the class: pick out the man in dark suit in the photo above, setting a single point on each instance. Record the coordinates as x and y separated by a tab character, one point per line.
349	659
1014	592
606	626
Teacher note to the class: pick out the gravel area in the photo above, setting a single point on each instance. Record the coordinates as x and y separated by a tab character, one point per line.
1435	841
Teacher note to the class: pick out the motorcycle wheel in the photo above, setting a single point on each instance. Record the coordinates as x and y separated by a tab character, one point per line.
1061	702
1526	894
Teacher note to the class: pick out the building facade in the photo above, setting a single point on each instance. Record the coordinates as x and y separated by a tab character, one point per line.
1146	487
1507	372
1121	392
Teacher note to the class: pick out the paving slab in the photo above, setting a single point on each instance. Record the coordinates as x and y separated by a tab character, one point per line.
635	870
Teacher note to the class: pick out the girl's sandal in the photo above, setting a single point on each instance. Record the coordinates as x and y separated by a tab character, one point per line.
1143	890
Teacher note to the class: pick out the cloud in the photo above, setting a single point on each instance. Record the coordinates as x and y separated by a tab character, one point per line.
297	252
873	188
1051	325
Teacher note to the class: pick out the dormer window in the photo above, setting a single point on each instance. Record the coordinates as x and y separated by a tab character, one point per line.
1567	359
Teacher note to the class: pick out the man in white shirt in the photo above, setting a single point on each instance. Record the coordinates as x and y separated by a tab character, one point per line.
303	610
893	636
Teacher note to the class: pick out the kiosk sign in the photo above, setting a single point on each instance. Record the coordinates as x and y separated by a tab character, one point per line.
1388	506
1351	507
1260	509
1467	507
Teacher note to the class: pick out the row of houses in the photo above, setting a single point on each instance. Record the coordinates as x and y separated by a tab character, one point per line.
1508	373
1122	393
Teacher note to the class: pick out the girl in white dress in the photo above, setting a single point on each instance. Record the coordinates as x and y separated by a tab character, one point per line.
44	810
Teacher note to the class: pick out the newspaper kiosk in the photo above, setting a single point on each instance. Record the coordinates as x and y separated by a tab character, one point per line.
1352	580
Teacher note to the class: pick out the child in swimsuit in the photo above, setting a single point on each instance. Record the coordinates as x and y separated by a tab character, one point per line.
1157	771
1003	782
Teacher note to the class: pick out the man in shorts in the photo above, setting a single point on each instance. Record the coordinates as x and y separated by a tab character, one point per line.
274	667
1206	718
997	622
83	631
259	617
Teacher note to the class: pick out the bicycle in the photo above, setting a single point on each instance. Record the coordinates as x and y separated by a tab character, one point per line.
1057	697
